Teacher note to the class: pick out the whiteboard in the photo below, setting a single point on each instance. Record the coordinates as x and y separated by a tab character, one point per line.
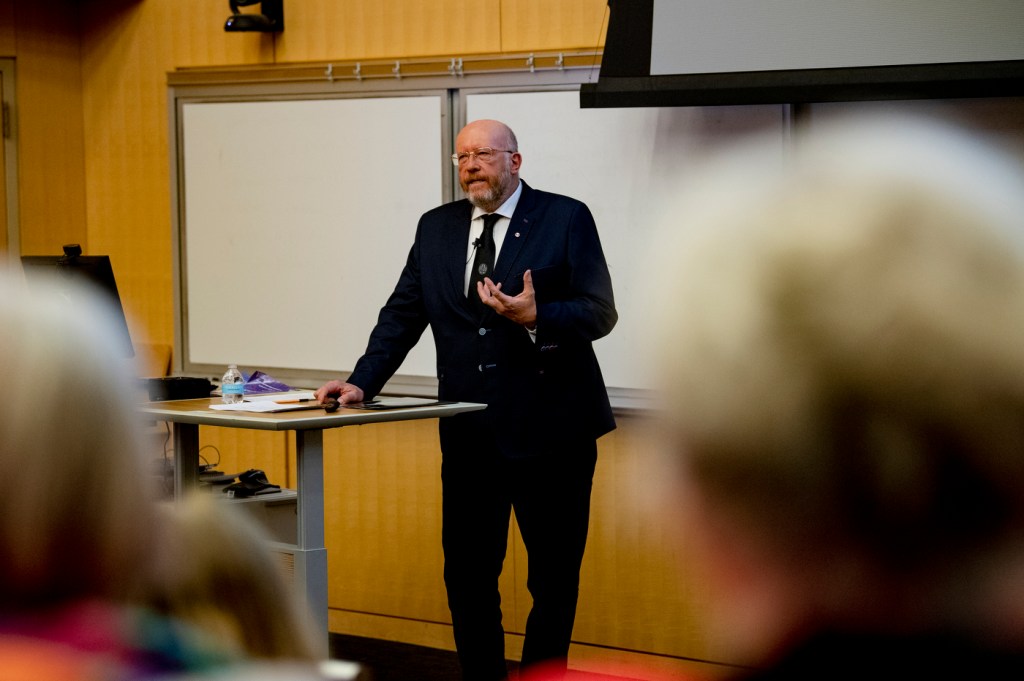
627	165
297	219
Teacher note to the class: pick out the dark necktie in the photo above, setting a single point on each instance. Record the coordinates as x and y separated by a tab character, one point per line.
483	263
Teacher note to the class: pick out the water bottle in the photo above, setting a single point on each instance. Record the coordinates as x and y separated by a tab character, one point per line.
232	386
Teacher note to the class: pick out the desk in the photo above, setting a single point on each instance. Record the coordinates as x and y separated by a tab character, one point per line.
309	551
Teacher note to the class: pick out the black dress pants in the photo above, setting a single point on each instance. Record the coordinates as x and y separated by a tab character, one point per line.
550	495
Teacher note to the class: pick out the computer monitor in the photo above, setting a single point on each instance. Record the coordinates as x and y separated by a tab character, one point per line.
74	275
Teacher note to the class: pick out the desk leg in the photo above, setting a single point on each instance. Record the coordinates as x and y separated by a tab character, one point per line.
186	459
311	553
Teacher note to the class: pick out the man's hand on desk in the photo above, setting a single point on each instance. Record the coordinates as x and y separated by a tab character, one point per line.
344	393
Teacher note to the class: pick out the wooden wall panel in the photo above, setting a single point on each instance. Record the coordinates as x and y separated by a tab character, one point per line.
8	45
537	25
383	520
51	186
371	29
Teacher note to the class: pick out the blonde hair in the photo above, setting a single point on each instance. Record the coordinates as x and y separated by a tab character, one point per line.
222	577
76	513
844	351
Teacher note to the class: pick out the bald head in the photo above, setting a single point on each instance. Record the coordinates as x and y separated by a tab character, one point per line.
496	134
488	179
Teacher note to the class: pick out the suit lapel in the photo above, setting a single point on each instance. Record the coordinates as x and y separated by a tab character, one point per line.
518	231
456	236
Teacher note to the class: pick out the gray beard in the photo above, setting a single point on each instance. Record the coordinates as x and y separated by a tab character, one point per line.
485	200
490	199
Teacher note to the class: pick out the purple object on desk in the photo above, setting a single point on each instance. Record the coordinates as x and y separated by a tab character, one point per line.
260	382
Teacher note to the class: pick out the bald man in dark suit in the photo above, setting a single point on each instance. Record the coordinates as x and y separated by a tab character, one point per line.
516	335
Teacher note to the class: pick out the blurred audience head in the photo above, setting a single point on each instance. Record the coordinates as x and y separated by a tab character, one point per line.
841	339
76	512
227	582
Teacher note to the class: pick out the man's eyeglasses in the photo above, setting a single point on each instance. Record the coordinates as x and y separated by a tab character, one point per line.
483	154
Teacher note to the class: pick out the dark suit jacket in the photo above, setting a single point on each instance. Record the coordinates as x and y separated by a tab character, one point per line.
541	395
